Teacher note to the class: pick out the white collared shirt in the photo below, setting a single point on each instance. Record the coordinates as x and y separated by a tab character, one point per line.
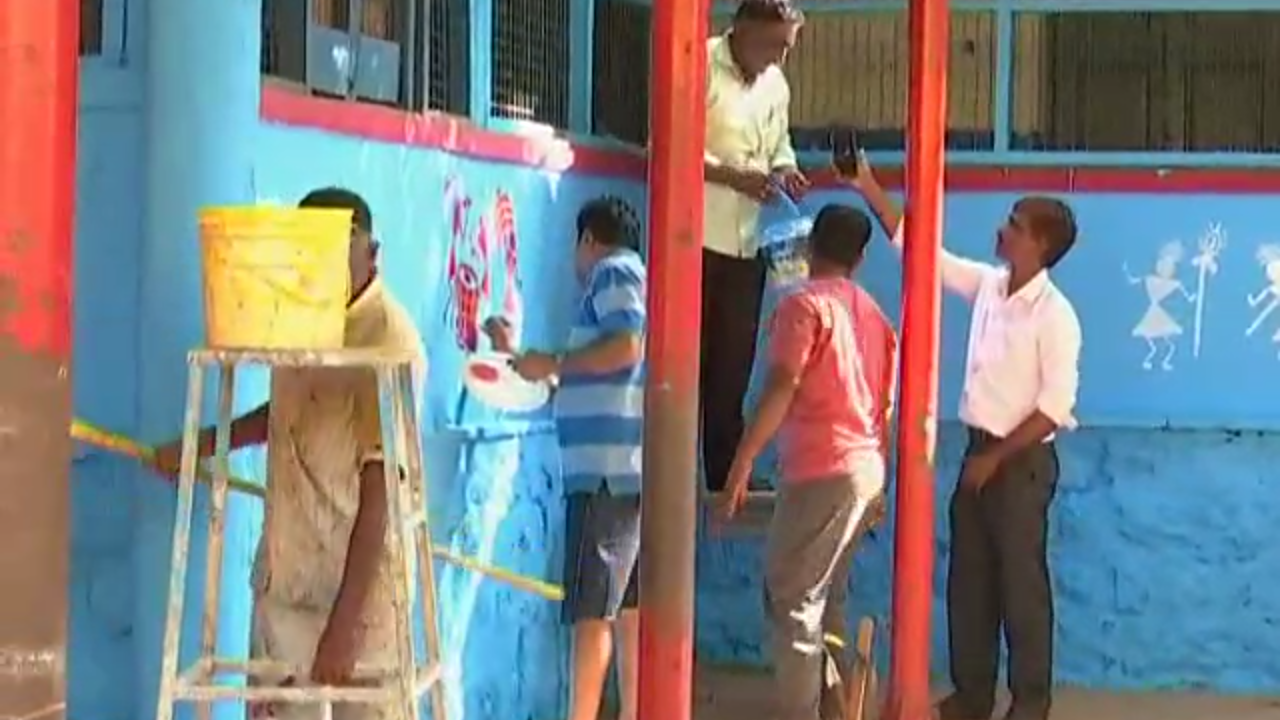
1024	349
747	127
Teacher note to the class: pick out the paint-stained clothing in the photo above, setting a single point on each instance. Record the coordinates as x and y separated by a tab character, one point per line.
599	417
325	426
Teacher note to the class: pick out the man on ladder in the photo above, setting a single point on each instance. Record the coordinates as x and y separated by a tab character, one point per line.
323	576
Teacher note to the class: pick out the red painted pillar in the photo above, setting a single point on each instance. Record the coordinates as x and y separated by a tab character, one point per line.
39	47
917	426
669	528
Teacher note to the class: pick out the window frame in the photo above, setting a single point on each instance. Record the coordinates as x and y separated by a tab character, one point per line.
414	53
581	72
1006	15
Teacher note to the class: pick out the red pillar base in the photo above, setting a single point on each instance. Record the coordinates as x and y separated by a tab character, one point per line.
39	48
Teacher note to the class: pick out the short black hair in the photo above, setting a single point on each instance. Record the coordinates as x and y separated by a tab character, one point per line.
783	11
840	235
336	198
605	218
1053	222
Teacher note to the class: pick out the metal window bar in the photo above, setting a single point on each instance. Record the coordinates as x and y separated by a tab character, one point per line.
620	93
91	27
530	59
391	52
1192	82
849	72
448	37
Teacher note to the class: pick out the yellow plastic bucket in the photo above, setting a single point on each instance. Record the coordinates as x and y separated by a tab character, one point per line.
275	277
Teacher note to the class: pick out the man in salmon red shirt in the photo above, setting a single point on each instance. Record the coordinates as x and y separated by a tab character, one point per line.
828	397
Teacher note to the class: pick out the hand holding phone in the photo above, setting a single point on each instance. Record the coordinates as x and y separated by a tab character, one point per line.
844	153
849	160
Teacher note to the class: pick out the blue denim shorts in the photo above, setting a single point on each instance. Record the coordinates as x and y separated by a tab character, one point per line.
600	555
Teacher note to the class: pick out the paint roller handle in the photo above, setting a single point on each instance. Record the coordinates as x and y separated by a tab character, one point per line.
166	459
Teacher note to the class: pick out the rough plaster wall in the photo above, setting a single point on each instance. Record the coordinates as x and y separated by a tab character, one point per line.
1163	566
108	223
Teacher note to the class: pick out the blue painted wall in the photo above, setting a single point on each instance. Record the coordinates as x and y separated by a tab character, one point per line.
1162	568
1163	565
101	666
494	478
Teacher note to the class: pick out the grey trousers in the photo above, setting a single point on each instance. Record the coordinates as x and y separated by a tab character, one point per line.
807	557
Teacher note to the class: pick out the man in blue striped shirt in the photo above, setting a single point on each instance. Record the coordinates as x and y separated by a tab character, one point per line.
599	417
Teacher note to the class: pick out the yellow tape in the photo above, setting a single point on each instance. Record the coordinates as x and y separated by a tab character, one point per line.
122	445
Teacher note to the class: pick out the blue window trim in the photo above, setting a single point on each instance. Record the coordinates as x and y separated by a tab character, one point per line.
1005	11
582	18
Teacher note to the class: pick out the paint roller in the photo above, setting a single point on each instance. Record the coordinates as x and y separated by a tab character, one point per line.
119	444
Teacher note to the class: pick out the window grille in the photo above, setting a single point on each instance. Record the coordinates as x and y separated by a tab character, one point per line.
849	71
1147	81
90	27
393	53
530	55
449	61
620	70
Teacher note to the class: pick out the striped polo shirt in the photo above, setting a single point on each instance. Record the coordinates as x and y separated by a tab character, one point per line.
599	417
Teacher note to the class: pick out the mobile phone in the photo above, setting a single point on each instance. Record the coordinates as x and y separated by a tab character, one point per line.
844	151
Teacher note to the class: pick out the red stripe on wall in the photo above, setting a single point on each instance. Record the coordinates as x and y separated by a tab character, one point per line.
288	106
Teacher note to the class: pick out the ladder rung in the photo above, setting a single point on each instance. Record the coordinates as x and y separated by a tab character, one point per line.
194	684
292	694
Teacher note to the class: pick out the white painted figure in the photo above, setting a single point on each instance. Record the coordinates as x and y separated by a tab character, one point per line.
1269	258
1212	243
1157	327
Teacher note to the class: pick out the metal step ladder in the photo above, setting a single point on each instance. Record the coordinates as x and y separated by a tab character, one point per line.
206	680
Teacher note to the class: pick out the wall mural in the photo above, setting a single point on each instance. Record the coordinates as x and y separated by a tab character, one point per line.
482	270
1268	298
1159	325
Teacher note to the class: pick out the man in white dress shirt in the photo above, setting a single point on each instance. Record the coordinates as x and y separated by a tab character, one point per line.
1021	378
749	158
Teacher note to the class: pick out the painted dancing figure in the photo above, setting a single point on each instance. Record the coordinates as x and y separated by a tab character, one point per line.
1269	258
1157	326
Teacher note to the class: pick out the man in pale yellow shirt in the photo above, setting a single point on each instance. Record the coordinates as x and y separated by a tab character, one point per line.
749	159
323	574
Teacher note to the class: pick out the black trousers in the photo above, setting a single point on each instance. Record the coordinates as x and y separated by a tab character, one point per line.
999	577
731	293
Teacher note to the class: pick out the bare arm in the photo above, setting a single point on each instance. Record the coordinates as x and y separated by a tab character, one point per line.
719	174
779	390
364	550
246	430
791	333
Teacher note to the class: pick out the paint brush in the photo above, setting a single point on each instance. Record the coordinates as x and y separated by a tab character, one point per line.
114	442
